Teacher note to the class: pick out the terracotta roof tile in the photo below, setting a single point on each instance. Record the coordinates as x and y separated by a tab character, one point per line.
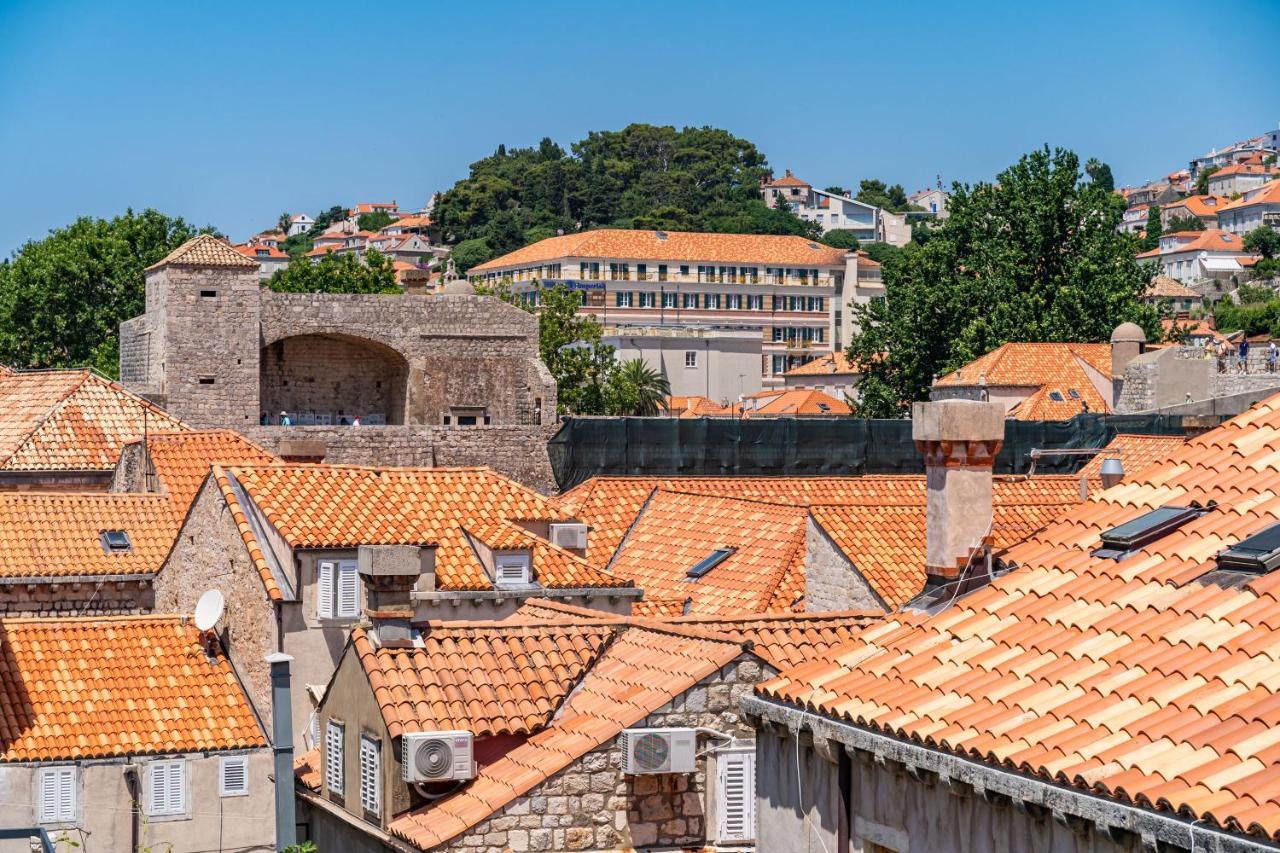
835	363
1135	451
1198	205
798	401
1209	240
137	685
486	678
70	420
1163	286
204	250
1134	679
787	639
1053	369
57	534
331	506
764	249
642	670
182	460
1268	193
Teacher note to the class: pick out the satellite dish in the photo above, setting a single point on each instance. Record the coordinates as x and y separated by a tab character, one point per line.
209	610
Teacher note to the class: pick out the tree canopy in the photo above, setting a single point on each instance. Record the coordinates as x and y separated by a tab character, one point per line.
873	191
1035	256
643	176
337	273
62	298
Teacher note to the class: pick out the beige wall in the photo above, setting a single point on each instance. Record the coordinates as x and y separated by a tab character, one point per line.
104	824
727	364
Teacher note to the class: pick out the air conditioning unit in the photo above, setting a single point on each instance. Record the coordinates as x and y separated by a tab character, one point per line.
437	756
571	535
659	751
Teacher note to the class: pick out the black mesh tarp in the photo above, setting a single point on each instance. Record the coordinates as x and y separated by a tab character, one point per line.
587	447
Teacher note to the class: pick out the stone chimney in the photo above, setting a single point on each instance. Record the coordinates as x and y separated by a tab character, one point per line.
1128	341
390	574
959	440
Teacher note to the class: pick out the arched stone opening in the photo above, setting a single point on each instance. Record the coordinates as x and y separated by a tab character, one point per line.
332	379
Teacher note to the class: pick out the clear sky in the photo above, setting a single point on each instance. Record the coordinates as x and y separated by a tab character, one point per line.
229	113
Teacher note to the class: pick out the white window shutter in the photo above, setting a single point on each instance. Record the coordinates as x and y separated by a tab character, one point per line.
369	775
348	590
177	793
66	793
736	795
57	795
324	588
157	794
167	792
234	780
333	757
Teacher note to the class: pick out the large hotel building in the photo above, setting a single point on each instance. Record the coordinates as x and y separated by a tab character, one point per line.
793	293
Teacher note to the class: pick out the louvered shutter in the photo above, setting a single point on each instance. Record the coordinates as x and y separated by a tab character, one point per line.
234	780
57	794
736	794
333	757
324	589
348	590
176	798
369	772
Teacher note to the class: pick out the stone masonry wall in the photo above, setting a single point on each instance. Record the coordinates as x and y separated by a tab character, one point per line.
593	806
830	582
81	598
1164	378
519	452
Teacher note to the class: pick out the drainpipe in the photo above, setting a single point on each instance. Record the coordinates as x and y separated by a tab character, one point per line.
282	746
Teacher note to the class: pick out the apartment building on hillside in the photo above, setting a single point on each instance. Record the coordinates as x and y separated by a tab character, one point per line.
792	292
870	224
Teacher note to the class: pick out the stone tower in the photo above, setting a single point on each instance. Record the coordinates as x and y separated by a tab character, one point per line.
195	351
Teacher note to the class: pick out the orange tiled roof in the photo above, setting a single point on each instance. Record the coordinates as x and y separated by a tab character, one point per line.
1198	205
787	180
797	401
259	250
70	420
788	639
765	249
409	222
825	365
643	669
332	506
695	407
677	530
486	678
1056	369
1137	679
306	768
129	685
1162	286
1268	193
1251	166
204	250
58	534
1208	240
182	460
1135	451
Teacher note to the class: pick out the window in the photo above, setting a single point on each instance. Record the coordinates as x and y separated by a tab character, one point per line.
691	300
735	802
733	301
622	299
1258	553
668	300
233	778
116	542
208	294
779	364
755	303
337	589
167	788
511	570
684	270
711	300
206	380
57	794
662	272
1121	540
370	775
647	300
709	562
333	733
691	358
642	272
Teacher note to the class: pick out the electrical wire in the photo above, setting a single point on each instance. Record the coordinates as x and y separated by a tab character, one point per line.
800	797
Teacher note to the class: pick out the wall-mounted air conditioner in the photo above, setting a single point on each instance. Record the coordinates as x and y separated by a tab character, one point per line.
438	756
659	751
571	535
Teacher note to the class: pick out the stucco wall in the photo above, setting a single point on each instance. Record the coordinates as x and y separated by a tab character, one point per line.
104	822
890	808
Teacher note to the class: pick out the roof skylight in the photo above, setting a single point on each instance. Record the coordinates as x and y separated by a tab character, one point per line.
1123	539
709	562
1258	553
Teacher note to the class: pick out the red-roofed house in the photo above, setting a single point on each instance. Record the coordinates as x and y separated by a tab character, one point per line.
1193	257
1260	206
1202	207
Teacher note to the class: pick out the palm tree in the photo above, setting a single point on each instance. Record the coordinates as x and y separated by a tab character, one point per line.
637	389
283	223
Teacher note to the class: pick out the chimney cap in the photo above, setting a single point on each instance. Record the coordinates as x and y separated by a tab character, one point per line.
957	420
1130	333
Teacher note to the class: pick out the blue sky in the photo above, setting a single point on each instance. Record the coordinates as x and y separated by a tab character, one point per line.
229	113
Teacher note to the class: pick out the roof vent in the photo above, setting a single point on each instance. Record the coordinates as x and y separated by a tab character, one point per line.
1258	554
115	542
662	235
710	561
1122	540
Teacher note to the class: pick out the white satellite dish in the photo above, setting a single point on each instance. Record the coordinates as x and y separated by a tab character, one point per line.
209	610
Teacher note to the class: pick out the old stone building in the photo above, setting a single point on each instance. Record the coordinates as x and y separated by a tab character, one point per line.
297	371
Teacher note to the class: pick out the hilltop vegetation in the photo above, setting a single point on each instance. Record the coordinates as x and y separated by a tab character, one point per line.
693	179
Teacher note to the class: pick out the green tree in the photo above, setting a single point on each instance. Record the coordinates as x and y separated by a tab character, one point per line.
882	253
1184	223
283	223
337	273
62	298
872	191
637	389
503	233
470	253
1202	179
1252	294
1154	229
1100	174
836	190
841	238
1264	240
375	221
1033	257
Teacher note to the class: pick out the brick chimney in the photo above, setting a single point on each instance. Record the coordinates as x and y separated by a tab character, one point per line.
390	573
959	440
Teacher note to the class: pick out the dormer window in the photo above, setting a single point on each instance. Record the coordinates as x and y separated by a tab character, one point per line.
512	570
116	542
